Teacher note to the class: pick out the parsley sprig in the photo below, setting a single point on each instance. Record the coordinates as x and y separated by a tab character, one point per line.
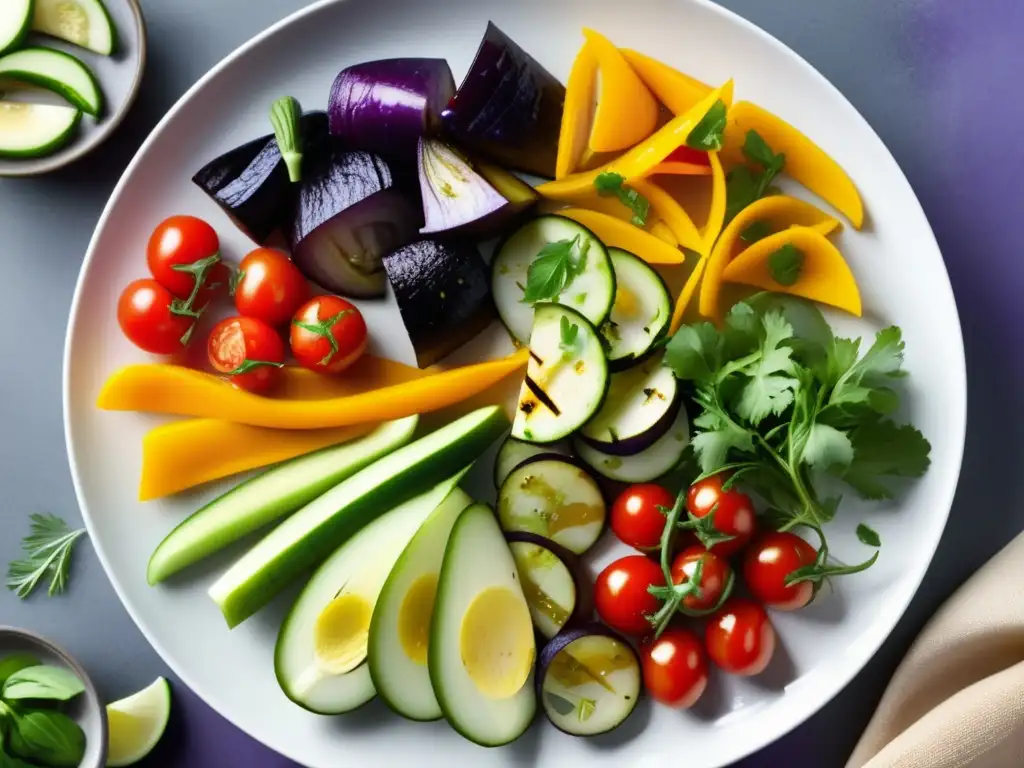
785	404
554	269
610	183
47	549
745	185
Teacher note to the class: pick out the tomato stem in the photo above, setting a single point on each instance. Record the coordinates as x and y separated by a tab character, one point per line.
248	365
199	270
323	328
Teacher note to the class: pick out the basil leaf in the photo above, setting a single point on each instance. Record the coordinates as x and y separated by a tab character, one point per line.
867	535
42	682
48	737
6	760
16	663
786	264
707	134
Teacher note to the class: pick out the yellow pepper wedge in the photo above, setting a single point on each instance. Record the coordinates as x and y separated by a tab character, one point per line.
187	453
676	90
626	112
638	161
616	233
367	373
185	392
778	212
716	215
824	275
806	162
612	206
573	139
686	295
661	231
676	168
671	213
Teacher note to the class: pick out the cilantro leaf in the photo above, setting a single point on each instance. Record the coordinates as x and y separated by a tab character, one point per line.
786	264
553	270
883	449
692	352
756	150
716	438
771	383
759	230
827	447
708	132
610	183
867	535
743	185
861	385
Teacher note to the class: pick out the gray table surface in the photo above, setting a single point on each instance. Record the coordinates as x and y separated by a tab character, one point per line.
936	78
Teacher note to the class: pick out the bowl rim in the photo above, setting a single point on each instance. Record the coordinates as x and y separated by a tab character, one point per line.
91	694
63	158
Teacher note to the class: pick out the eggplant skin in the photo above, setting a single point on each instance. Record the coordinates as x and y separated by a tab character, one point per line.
508	109
344	180
443	293
250	183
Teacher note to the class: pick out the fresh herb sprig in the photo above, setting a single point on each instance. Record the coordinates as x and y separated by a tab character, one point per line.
29	729
554	269
709	133
785	404
610	184
745	185
48	549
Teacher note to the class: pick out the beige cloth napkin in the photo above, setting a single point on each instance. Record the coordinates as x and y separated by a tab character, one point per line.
957	699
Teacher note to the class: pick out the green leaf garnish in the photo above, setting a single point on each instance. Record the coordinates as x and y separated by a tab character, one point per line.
759	230
867	535
744	185
786	264
554	269
708	132
569	332
47	549
610	183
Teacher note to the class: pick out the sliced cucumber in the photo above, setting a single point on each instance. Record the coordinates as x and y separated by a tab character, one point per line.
641	312
85	23
482	646
35	130
514	452
15	20
641	405
556	499
306	538
270	496
321	651
566	377
55	71
590	293
650	464
400	628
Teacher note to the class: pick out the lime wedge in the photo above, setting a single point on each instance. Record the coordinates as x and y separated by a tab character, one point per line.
137	723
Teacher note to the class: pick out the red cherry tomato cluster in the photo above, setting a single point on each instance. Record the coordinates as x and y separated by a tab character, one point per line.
325	333
720	525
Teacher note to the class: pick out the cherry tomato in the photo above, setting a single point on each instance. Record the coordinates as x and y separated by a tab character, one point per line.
328	334
176	245
217	285
740	637
248	351
714	576
733	510
636	517
270	287
621	596
145	316
770	559
674	667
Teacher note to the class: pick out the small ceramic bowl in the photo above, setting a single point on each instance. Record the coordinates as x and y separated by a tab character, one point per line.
119	77
86	709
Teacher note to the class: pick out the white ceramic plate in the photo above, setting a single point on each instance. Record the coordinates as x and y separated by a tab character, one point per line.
896	260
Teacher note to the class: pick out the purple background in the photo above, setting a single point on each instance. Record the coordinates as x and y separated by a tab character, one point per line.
939	81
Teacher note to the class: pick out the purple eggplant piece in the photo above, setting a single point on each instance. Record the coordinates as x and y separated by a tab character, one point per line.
348	216
385	106
250	183
508	109
583	611
631	446
444	294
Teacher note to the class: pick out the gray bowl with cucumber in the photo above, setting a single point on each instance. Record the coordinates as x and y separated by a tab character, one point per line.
69	72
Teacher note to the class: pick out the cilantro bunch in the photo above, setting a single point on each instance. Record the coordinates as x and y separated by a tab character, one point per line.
795	413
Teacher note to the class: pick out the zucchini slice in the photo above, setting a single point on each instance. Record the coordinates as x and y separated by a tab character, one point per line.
590	292
641	313
15	20
651	463
35	130
85	23
514	452
566	377
55	71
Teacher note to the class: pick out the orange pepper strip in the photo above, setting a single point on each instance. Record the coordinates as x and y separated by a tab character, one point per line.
681	169
672	213
638	161
626	112
185	392
616	233
806	162
368	372
716	216
824	275
676	90
686	295
578	113
661	231
778	211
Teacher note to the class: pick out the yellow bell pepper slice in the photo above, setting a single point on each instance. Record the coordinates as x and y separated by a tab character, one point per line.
367	373
824	275
661	231
806	162
778	212
676	90
686	295
185	392
616	233
670	212
626	112
675	168
638	161
187	453
716	215
577	114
